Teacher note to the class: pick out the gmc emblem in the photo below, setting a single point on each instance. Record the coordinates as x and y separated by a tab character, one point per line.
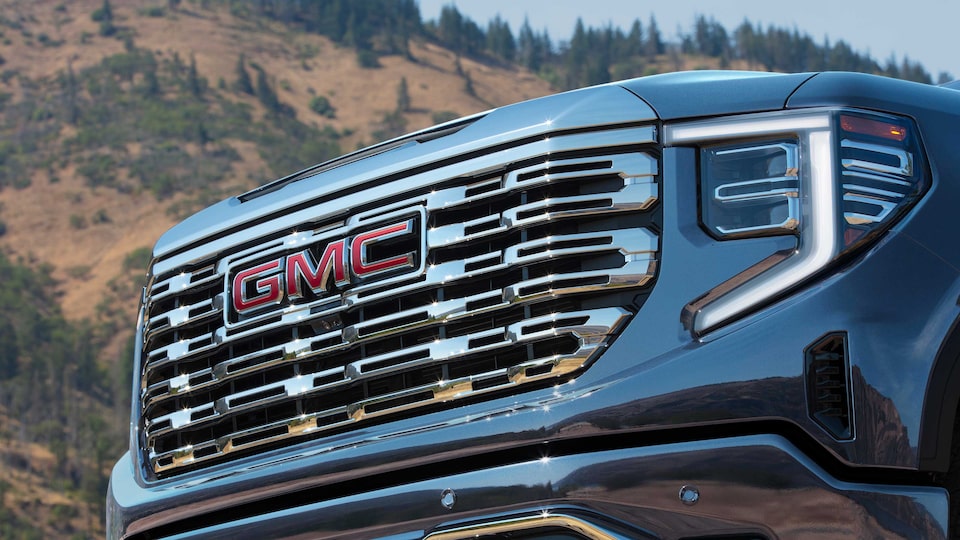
320	268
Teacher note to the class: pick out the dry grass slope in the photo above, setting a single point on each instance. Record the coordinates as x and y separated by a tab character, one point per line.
58	219
42	219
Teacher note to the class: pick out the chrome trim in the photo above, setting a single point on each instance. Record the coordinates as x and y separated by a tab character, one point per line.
885	208
904	158
789	192
596	328
897	181
543	520
791	170
508	281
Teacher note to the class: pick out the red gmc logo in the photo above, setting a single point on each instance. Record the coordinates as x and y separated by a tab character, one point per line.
318	269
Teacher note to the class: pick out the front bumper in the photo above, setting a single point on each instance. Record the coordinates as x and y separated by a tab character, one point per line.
758	486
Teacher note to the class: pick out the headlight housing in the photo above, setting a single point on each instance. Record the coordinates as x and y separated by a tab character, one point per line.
833	178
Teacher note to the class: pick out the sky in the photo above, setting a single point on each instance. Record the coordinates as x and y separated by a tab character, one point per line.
923	30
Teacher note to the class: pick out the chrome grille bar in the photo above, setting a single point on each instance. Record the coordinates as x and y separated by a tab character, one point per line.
526	249
591	333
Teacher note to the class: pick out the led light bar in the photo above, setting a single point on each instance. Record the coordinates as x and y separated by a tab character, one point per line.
832	178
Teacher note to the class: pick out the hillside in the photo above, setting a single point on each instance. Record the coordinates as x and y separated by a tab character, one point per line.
81	190
301	66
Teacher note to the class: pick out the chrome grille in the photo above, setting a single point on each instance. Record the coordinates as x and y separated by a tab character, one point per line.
530	268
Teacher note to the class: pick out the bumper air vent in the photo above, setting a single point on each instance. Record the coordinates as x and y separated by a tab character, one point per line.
828	384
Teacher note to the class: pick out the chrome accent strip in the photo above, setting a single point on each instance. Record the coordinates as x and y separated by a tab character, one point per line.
731	128
884	208
904	158
612	490
876	178
178	283
547	519
762	191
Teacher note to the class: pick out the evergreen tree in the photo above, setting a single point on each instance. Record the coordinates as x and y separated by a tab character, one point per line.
500	39
576	57
105	16
243	83
106	11
654	45
892	69
532	49
744	40
468	84
266	94
634	41
151	84
449	27
9	351
203	137
710	37
403	96
70	95
461	34
193	80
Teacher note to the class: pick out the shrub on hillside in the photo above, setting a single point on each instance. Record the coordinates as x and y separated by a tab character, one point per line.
321	106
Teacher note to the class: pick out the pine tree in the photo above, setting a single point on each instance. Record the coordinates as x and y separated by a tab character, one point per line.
527	54
151	84
9	351
500	39
403	96
577	54
70	95
635	39
266	94
654	44
193	80
105	16
107	11
243	83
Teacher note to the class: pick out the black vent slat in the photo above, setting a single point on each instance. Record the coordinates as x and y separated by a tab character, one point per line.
828	386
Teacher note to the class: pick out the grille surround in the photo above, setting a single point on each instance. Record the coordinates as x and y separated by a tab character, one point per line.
533	267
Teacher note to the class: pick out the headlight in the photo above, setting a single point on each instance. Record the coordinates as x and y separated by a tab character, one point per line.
834	179
751	190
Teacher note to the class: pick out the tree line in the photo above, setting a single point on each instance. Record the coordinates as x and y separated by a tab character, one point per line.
591	56
52	384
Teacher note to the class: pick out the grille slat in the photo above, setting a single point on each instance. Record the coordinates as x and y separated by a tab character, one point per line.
487	311
591	333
